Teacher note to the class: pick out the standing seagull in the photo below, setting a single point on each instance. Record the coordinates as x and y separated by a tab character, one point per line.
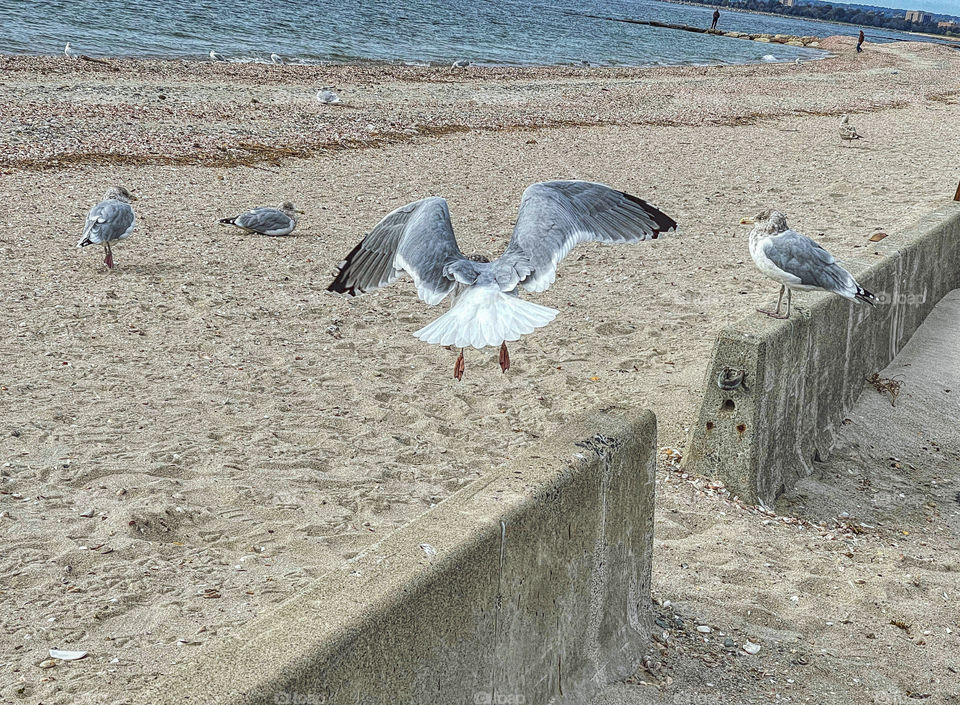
327	96
267	221
848	132
486	310
797	262
68	52
111	219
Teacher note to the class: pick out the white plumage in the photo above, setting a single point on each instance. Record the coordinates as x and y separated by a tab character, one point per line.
417	239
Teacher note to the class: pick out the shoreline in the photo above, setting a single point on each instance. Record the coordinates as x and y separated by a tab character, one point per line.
941	37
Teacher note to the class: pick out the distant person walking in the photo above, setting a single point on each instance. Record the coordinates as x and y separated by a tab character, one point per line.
860	42
716	16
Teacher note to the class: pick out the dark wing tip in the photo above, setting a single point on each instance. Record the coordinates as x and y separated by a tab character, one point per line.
865	296
227	221
339	284
665	223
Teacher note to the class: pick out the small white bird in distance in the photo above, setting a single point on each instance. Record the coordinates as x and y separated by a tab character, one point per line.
327	96
276	59
417	239
797	262
848	132
68	52
798	62
272	222
460	64
214	56
109	221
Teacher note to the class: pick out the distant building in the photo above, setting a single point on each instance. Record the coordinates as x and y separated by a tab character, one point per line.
952	26
918	16
788	3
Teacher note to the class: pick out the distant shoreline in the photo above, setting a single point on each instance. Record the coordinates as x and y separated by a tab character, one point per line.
941	38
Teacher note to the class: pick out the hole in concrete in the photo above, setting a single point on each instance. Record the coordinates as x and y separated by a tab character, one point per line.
728	405
709	425
741	427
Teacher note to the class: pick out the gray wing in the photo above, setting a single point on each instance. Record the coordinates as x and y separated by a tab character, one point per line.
417	239
802	257
107	221
266	221
557	215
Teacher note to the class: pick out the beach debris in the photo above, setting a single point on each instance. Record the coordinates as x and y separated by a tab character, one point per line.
214	56
797	262
429	550
554	216
327	96
704	629
885	386
67	655
751	648
768	58
109	221
878	236
848	132
272	222
47	663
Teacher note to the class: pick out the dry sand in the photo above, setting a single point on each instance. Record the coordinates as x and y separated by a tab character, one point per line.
199	433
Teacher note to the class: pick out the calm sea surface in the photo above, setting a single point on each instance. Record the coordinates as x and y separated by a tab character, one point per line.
406	31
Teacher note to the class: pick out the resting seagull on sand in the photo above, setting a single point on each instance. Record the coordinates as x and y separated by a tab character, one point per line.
848	132
276	59
418	240
110	220
214	56
272	222
797	262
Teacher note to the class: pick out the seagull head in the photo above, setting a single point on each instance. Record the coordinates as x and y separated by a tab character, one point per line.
769	222
118	193
288	208
844	120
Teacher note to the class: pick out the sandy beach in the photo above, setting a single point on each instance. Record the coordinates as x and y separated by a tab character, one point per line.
199	433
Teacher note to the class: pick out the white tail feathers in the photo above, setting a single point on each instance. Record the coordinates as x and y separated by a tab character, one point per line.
484	316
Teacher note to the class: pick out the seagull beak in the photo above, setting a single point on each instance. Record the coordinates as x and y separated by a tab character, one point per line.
746	221
300	212
133	198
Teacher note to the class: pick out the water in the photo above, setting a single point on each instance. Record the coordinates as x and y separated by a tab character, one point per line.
507	32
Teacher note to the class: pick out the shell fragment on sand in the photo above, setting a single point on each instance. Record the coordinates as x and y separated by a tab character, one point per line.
67	655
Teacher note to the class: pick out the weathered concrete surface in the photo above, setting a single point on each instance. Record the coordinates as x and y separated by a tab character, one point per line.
800	376
529	585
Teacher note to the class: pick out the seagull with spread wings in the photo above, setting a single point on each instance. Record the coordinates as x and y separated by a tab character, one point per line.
797	262
417	239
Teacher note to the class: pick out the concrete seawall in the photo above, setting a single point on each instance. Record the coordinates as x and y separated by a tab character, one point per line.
777	391
531	585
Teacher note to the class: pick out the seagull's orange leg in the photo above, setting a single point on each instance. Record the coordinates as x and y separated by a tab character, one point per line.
458	367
